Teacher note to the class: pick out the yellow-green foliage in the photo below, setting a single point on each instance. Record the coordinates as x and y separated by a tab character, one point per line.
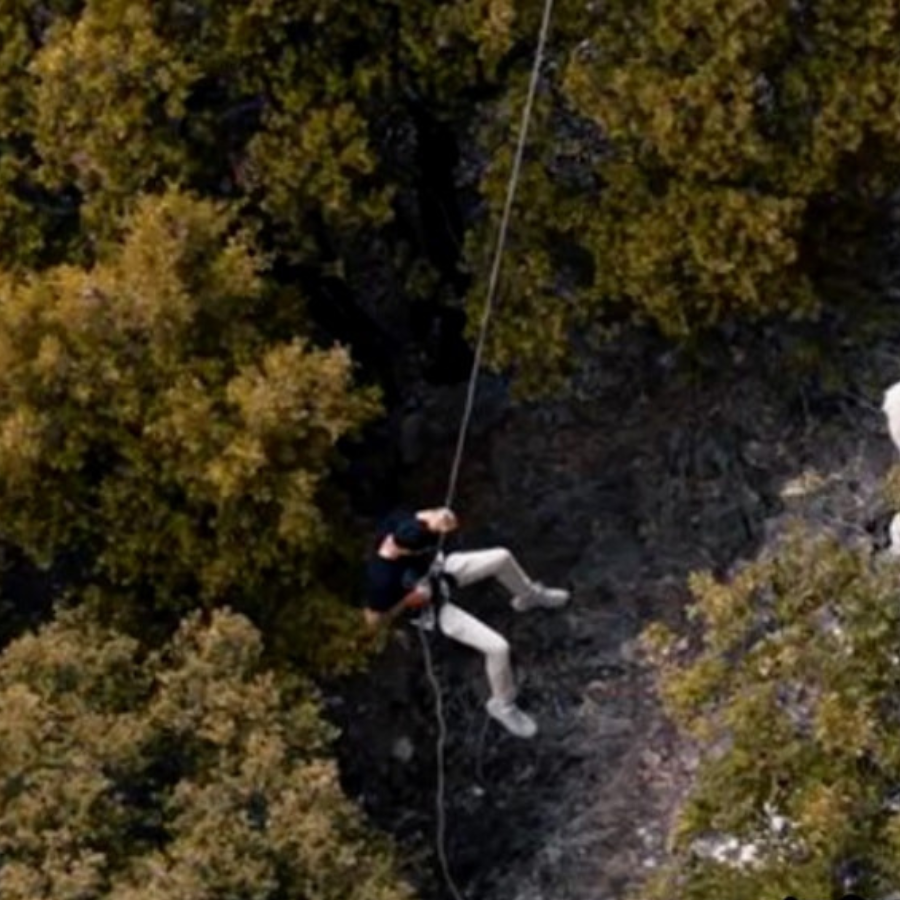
29	217
793	697
110	94
738	147
190	773
270	103
130	92
152	426
739	144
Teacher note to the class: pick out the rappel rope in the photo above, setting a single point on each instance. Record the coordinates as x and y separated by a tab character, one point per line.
493	281
498	254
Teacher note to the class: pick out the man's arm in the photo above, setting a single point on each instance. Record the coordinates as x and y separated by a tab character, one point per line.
441	520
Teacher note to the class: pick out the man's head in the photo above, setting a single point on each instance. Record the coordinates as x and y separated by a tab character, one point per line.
413	536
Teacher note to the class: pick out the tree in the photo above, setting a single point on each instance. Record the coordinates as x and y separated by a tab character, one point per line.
792	696
162	424
303	114
274	103
692	164
207	96
731	158
190	772
33	221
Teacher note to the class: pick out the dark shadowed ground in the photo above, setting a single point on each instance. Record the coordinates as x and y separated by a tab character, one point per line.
636	478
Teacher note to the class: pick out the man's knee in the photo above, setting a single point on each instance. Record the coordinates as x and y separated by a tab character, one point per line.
499	649
501	557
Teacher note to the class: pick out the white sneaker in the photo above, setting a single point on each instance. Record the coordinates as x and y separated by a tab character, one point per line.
547	598
513	719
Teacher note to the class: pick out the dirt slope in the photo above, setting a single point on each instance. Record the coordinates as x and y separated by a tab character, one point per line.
619	490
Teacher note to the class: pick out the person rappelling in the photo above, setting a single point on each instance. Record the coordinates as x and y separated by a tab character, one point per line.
407	571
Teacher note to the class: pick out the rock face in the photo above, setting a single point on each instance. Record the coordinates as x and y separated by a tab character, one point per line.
618	491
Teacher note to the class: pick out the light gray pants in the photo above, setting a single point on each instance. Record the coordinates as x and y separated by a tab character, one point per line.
468	568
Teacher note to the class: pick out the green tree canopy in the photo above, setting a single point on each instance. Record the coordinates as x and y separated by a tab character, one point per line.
161	424
286	108
793	699
187	773
731	158
692	163
34	222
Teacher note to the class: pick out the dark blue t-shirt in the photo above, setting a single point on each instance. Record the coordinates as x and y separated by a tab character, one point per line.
388	581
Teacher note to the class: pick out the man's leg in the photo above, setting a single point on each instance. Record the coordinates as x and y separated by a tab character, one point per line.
456	623
470	566
459	625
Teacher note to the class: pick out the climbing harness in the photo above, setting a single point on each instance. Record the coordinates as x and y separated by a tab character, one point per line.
440	806
440	594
